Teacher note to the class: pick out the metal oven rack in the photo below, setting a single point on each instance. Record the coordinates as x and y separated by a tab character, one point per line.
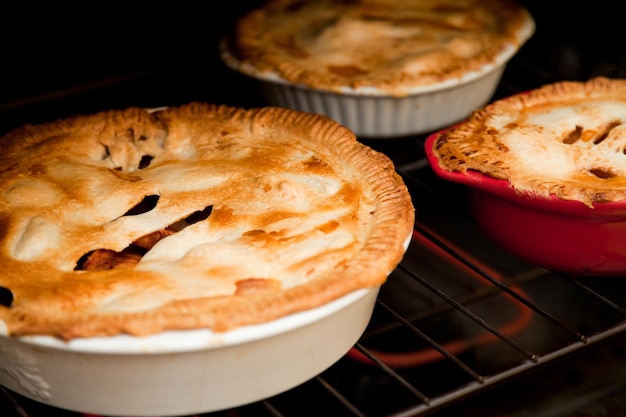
459	317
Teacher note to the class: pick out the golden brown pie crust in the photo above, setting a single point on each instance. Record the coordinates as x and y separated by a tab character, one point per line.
294	213
566	139
387	44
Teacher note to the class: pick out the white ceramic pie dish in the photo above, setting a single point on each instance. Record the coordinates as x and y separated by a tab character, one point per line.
198	370
370	113
187	372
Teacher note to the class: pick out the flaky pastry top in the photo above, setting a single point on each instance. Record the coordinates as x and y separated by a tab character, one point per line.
566	139
392	46
201	216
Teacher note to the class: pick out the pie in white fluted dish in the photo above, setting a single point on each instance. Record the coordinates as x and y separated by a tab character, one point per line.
199	216
381	67
215	254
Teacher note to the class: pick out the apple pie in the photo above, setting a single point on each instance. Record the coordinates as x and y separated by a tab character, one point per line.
566	139
377	45
199	216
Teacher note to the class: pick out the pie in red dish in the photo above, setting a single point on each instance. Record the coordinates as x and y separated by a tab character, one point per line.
547	173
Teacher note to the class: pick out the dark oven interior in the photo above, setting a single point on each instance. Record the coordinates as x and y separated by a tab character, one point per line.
462	327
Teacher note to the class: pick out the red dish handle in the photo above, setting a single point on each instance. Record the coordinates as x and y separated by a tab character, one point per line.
472	178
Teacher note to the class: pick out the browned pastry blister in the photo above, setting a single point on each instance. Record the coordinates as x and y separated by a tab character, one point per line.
566	139
198	216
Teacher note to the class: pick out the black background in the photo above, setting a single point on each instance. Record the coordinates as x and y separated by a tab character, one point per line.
59	60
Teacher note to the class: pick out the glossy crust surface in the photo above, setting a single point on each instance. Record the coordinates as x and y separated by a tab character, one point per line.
566	139
384	44
233	216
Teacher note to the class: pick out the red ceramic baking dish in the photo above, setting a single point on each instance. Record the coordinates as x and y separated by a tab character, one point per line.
561	235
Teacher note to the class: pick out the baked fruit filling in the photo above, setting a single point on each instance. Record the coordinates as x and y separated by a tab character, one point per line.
102	259
198	216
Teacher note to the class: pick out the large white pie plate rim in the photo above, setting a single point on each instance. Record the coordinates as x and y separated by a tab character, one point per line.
185	373
188	340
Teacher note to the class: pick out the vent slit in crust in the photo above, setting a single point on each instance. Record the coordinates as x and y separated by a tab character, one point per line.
6	297
193	218
107	152
148	203
106	259
602	173
573	136
145	161
199	215
607	131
